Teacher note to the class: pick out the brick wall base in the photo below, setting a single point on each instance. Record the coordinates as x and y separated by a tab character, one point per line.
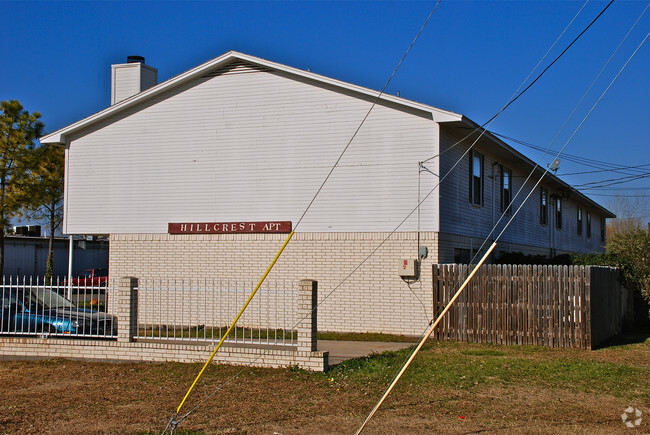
28	348
371	299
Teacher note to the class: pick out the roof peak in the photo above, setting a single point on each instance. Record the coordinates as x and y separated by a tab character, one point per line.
59	136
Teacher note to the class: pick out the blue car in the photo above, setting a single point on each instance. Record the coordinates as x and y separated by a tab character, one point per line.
42	311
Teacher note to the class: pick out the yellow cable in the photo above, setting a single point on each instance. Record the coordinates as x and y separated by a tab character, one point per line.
223	338
425	337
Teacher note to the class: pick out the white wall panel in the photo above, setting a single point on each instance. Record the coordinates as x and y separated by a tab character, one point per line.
247	147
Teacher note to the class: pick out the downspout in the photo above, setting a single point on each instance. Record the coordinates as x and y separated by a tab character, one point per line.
70	267
418	205
494	180
551	224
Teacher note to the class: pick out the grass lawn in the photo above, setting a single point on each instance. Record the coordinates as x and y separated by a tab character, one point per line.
450	388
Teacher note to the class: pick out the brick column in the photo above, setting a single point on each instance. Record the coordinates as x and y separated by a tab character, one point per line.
307	303
127	309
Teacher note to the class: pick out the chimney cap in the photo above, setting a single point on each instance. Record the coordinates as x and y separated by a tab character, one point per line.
135	59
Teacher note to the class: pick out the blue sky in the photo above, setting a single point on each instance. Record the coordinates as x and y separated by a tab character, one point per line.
471	57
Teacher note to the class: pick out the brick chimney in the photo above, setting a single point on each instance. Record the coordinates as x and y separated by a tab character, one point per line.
130	78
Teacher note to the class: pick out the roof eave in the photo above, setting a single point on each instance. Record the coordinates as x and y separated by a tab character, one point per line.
468	122
59	136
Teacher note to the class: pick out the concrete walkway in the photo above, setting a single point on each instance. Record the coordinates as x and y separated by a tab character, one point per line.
344	350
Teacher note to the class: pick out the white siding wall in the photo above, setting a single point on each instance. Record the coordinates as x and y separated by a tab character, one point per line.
459	217
246	147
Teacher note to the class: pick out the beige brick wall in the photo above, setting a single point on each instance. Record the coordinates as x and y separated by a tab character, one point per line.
373	299
20	348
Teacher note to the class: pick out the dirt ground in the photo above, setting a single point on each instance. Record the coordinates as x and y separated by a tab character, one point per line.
63	396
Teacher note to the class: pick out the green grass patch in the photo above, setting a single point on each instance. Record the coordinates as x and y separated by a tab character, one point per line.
468	366
215	333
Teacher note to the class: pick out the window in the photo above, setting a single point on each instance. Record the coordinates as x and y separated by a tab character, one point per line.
461	256
476	178
588	224
543	206
603	230
558	212
506	190
579	220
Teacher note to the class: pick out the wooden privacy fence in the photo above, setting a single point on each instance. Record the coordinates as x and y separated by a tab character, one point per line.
531	305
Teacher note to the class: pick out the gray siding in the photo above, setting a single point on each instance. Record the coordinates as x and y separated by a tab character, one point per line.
459	217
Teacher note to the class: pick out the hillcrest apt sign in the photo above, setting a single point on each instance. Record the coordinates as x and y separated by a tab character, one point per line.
229	227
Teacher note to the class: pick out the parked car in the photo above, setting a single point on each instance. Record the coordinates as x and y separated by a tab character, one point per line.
91	278
41	310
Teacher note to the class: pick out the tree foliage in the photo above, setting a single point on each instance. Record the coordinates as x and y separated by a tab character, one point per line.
631	250
18	131
628	250
43	193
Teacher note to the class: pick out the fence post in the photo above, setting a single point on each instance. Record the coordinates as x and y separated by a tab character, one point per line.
127	309
307	326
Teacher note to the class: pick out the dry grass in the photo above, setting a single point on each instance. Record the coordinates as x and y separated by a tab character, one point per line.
453	388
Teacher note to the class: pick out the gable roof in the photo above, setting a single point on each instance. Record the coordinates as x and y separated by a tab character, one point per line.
59	136
234	58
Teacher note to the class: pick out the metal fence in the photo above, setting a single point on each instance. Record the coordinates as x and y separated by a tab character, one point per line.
33	306
202	310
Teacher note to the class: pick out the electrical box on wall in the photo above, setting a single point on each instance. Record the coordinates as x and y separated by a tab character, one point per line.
408	268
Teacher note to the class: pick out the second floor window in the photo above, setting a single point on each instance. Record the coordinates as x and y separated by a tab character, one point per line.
588	224
579	220
506	190
543	206
476	178
558	213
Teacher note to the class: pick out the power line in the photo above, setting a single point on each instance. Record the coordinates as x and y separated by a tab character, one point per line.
340	159
457	293
597	164
374	103
605	170
173	423
619	180
516	97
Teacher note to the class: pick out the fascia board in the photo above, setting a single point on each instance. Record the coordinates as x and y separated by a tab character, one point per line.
58	136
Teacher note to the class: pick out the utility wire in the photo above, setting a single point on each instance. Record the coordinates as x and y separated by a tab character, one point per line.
593	83
516	97
604	170
322	185
614	183
173	422
613	195
430	329
370	255
584	161
558	154
363	121
617	180
565	124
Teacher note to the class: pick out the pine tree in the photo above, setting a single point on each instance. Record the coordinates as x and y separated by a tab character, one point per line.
18	131
43	194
